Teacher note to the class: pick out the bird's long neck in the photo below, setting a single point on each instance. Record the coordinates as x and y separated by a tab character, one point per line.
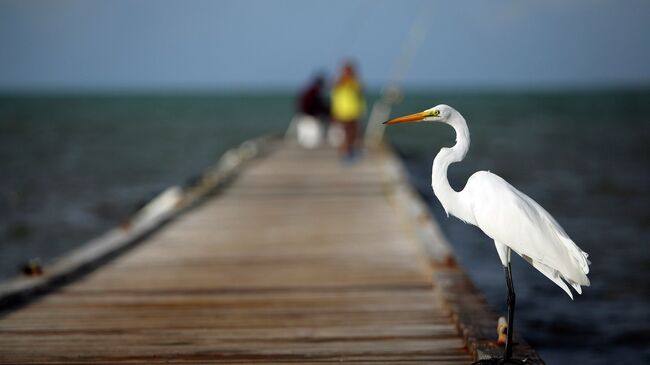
449	198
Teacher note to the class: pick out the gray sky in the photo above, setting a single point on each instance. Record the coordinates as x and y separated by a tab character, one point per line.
245	44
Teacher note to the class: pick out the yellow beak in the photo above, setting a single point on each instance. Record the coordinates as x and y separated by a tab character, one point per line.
417	117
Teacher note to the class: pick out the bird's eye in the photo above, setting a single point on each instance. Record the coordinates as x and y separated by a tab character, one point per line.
435	113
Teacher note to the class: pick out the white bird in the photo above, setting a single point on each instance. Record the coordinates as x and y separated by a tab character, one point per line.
512	219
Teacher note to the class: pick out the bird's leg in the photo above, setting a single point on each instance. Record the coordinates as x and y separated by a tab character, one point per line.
507	354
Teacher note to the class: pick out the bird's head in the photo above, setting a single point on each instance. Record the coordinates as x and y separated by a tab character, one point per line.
439	113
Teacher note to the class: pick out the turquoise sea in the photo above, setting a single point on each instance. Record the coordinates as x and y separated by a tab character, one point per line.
73	166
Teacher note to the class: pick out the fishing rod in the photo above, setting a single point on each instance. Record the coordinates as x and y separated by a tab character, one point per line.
391	94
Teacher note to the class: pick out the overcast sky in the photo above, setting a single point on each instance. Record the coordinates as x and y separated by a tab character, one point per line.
244	44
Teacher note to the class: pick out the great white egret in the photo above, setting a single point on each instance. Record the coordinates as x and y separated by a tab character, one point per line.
513	220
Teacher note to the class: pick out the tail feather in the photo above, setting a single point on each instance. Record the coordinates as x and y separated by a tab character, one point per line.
576	287
579	257
554	276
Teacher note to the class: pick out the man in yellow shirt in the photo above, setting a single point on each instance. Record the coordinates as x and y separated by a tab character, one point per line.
348	106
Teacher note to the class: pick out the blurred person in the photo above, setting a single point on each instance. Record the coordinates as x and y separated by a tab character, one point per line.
311	100
312	114
348	106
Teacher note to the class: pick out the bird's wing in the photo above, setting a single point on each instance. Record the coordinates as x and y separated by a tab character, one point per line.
512	218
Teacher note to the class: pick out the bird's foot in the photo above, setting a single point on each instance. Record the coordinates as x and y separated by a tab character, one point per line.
500	361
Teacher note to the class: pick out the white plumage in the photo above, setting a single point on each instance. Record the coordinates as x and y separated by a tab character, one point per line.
512	219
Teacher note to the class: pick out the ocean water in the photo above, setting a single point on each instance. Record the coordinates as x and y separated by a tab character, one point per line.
73	166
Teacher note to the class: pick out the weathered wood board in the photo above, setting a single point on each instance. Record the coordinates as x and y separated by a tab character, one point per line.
300	260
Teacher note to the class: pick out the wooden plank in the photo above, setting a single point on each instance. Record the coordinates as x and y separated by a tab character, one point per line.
299	260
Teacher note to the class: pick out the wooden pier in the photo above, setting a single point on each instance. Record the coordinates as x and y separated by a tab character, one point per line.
296	258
